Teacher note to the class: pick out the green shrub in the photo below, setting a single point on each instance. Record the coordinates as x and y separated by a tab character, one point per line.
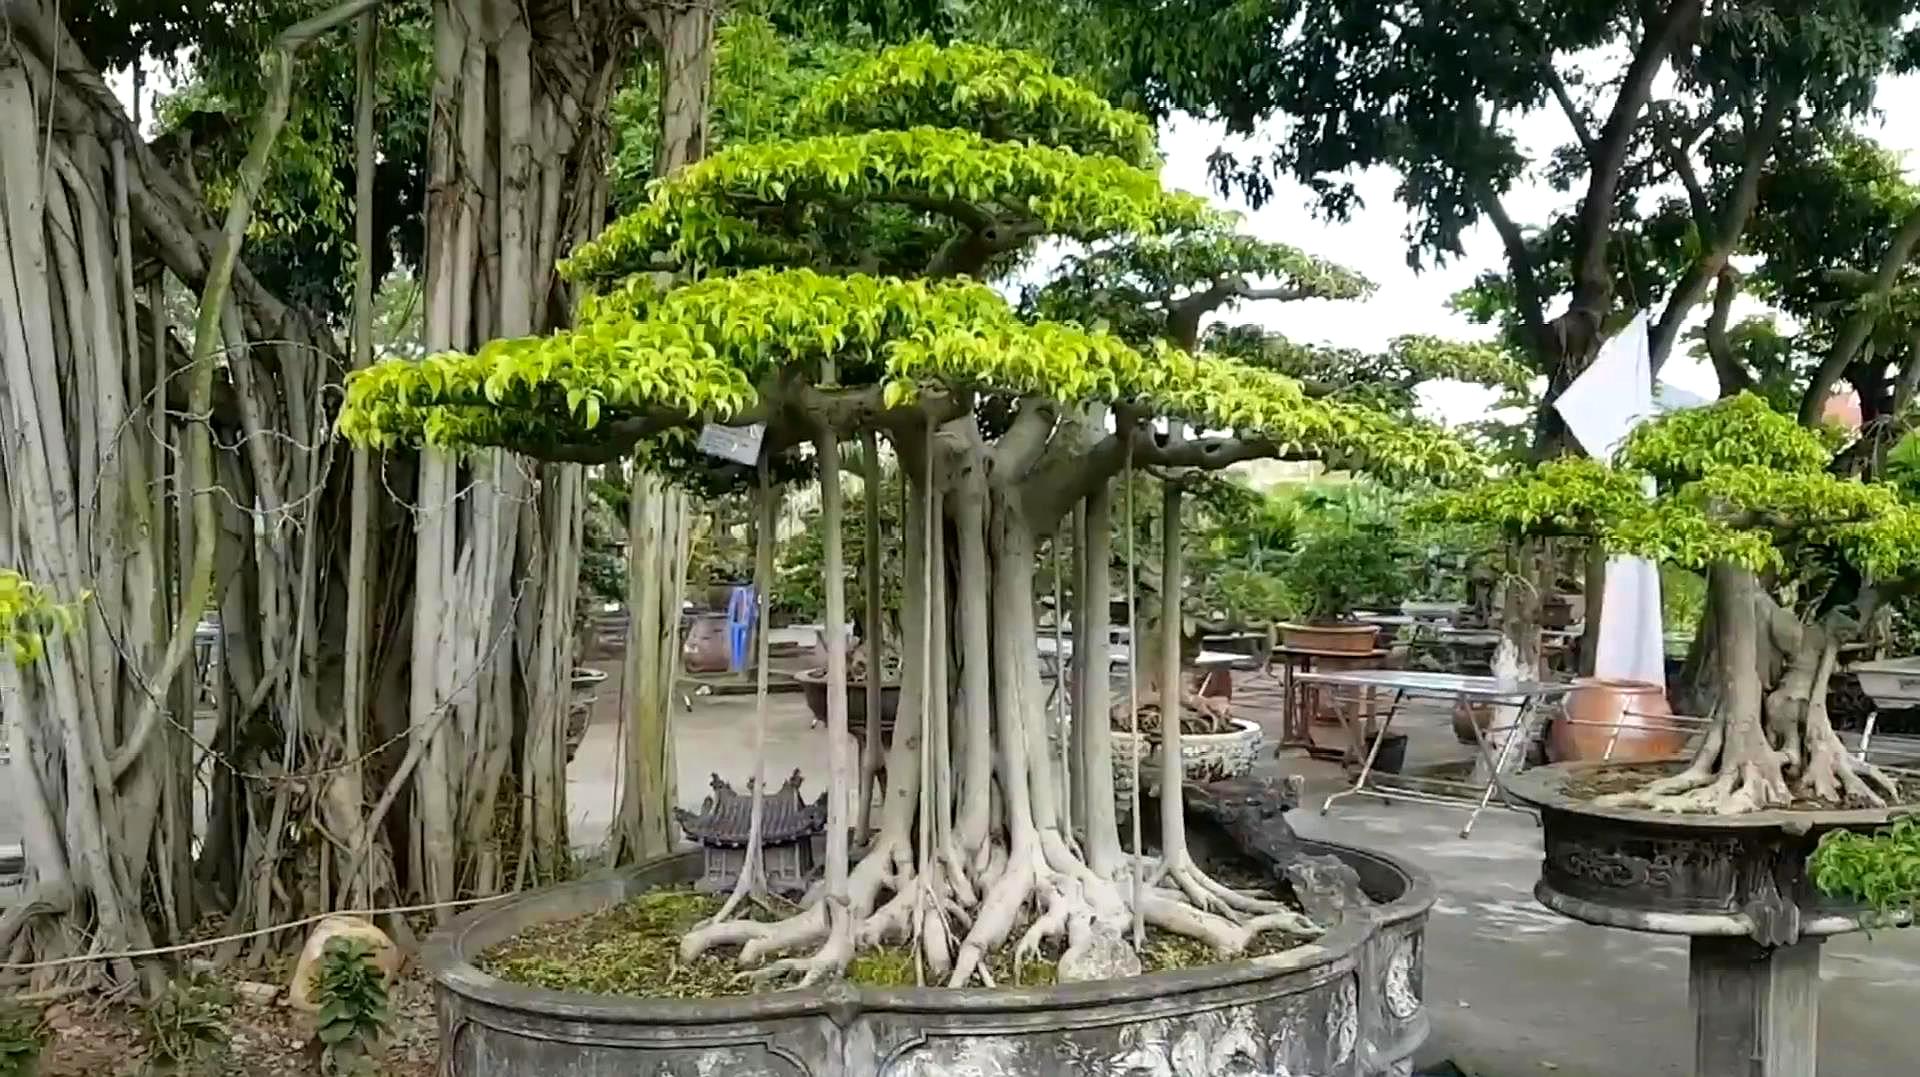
186	1029
352	994
20	1042
1880	870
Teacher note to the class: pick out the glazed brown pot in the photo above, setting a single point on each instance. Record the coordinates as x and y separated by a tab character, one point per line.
1597	705
1349	638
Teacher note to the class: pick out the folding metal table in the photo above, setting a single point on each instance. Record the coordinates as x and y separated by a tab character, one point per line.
1525	696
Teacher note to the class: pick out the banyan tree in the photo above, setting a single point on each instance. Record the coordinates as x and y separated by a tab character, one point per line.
1797	559
837	283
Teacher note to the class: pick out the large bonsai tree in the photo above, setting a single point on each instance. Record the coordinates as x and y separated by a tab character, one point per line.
1797	560
830	284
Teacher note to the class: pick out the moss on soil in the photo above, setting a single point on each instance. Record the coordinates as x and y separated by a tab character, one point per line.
633	949
1631	777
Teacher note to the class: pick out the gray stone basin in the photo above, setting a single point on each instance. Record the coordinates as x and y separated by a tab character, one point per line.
1347	1005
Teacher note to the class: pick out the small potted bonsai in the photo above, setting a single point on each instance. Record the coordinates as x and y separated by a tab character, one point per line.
1333	573
1214	745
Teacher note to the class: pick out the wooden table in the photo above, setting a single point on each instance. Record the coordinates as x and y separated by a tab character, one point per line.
1298	709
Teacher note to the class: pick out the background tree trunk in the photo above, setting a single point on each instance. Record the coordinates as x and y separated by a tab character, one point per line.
657	521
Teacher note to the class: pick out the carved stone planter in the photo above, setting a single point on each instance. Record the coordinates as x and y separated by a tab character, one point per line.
1737	885
1347	1005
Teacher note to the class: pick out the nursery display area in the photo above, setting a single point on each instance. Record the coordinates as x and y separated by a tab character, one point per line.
823	539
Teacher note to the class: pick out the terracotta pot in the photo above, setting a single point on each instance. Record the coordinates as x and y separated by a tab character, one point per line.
707	649
1467	716
1350	638
1615	711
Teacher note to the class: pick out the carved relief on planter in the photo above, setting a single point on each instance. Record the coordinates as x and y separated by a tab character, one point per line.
1279	1037
481	1057
1402	997
1670	871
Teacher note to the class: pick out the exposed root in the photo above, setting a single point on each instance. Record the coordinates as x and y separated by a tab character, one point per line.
891	922
810	927
827	964
1211	895
994	922
1052	924
759	941
936	942
1751	786
1227	938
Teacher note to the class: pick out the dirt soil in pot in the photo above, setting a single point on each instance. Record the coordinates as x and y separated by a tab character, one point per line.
633	949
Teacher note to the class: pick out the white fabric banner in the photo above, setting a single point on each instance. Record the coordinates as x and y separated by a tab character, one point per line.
1601	407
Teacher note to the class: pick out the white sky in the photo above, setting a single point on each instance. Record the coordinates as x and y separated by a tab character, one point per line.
1373	243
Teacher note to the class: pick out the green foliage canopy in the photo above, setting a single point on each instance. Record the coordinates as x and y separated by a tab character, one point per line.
1738	482
745	277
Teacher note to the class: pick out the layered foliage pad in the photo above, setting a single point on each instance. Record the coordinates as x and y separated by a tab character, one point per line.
29	617
724	297
1737	481
1386	379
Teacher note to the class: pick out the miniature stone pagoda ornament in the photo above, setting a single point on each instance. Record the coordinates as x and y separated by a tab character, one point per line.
787	827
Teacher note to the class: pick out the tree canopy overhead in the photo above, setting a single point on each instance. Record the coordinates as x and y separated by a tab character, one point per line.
797	251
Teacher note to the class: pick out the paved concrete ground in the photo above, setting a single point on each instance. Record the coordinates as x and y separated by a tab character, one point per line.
1513	989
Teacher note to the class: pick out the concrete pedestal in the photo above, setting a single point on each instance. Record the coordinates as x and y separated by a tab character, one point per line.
1756	1009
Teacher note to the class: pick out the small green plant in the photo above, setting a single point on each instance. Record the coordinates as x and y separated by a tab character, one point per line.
186	1029
1249	597
19	1042
1880	870
352	994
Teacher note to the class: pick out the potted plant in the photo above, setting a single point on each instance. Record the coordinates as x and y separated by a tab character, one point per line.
1332	574
1214	745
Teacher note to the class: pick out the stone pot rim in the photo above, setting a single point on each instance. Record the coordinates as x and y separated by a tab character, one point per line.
1545	787
445	957
1242	727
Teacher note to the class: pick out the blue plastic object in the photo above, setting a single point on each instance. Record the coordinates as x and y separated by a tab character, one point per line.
742	608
